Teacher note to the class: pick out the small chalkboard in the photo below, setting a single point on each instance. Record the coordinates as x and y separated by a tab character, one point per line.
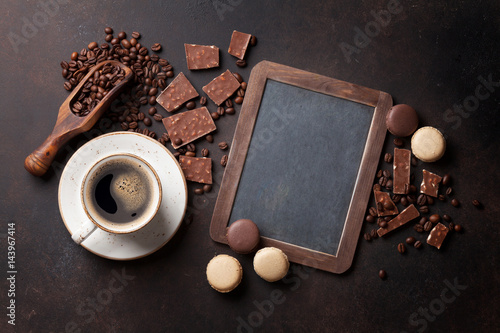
302	161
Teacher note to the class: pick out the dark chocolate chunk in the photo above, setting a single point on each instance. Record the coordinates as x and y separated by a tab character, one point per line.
401	167
197	169
220	88
430	183
405	216
239	44
437	235
188	126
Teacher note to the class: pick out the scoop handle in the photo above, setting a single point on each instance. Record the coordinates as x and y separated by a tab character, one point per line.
39	161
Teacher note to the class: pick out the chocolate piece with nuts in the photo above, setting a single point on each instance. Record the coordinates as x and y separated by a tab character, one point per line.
401	166
239	44
437	235
201	56
188	126
430	183
179	91
404	217
220	88
197	169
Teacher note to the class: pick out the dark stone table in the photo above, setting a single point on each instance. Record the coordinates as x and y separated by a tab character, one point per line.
441	57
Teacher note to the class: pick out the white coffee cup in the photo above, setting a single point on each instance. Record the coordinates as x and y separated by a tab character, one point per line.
120	194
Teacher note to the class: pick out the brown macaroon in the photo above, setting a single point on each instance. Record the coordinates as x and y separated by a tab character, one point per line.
243	236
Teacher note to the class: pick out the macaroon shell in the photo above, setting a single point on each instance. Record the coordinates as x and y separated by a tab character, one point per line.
271	264
243	236
428	144
224	273
401	120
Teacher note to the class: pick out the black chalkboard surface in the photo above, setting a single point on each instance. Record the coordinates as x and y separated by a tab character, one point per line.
302	161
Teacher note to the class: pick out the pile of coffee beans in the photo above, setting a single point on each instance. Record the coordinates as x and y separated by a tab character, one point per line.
96	88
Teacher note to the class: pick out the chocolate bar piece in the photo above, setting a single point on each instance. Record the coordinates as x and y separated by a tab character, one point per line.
410	213
437	235
401	173
430	183
179	91
385	205
239	44
188	126
197	169
201	56
220	88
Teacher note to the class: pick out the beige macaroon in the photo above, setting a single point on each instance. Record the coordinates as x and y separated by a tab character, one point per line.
224	273
428	144
271	264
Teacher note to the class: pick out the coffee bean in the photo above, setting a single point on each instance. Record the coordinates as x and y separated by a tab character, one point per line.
204	152
422	200
387	174
68	86
389	184
152	100
108	38
241	63
152	110
388	205
156	47
383	224
191	147
243	85
177	141
446	180
374	234
424	209
396	198
220	110
228	103
157	117
238	100
422	220
441	197
367	237
369	218
451	226
198	191
74	56
411	198
209	138
207	188
92	45
190	154
373	211
253	40
136	35
398	142
388	158
214	115
165	137
377	187
126	44
428	226
447	217
133	125
223	145
190	105
449	191
141	116
203	100
418	228
238	77
382	181
414	161
455	203
417	245
380	173
458	228
124	126
230	111
435	218
223	161
476	203
147	122
382	274
122	35
108	30
401	248
430	200
404	201
410	240
240	92
154	91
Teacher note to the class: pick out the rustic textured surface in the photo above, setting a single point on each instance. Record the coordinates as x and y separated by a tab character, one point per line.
431	55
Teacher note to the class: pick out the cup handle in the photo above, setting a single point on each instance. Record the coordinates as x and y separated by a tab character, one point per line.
83	232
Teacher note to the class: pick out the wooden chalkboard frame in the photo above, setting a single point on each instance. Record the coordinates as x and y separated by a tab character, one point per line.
381	102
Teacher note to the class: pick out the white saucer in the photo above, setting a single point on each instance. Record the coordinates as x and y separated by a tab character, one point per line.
173	205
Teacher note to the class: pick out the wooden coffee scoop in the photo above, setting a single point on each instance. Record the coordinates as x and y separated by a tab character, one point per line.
69	125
